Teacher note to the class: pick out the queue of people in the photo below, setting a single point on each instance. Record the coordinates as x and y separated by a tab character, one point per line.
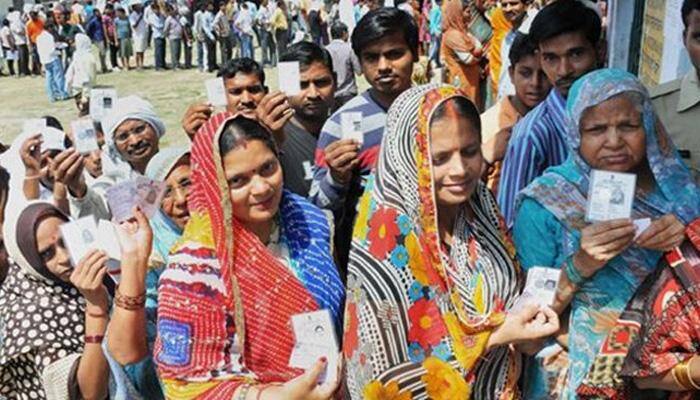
414	234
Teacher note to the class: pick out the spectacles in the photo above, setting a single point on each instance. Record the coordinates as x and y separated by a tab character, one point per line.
182	187
122	136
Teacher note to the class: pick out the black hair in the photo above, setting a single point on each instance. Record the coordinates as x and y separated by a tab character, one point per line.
53	122
566	16
338	29
307	53
242	65
5	22
382	22
109	6
688	7
463	107
522	46
241	129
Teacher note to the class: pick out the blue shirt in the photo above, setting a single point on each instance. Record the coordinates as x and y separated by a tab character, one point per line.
538	142
123	28
94	29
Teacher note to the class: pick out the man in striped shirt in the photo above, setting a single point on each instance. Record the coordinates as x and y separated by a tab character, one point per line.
568	37
386	43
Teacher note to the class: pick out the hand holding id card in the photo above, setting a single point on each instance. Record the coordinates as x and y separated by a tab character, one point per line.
610	195
540	288
315	338
83	235
141	191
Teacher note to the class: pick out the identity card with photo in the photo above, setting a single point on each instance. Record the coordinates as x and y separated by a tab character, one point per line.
101	102
216	92
540	287
80	236
289	77
610	195
84	135
141	191
315	338
351	126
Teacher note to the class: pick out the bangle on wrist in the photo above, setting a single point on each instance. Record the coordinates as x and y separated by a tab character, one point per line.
94	339
130	303
573	274
32	177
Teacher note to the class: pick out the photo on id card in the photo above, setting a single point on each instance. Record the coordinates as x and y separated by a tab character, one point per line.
610	195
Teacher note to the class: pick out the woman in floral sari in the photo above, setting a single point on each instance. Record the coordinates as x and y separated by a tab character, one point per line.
251	256
613	127
432	273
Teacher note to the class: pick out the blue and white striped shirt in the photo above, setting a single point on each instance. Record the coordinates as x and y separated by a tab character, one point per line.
538	142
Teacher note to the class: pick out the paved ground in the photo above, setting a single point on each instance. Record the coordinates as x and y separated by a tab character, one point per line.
169	91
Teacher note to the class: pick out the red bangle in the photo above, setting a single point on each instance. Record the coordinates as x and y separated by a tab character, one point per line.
94	339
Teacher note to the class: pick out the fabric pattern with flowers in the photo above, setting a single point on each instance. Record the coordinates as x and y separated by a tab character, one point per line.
401	291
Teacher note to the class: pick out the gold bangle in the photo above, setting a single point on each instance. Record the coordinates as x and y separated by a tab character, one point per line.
681	376
30	177
690	375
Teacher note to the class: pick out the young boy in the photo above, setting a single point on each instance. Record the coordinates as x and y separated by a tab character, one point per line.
123	30
531	87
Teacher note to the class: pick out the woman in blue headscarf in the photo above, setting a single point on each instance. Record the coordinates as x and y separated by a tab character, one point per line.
612	127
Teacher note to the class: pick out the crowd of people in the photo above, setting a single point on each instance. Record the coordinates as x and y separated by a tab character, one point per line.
414	230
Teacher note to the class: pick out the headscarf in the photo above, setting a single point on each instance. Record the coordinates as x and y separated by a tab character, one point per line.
418	316
40	314
83	45
130	107
562	191
672	176
165	231
244	296
455	31
11	160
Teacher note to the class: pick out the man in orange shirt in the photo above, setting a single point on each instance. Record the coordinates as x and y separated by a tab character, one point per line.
35	26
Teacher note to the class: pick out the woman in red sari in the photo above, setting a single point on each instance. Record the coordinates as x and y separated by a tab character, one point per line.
251	256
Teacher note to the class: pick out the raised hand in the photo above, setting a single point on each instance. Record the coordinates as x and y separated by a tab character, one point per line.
136	237
341	157
67	168
196	116
30	152
87	278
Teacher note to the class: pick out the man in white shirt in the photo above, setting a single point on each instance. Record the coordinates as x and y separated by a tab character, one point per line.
209	38
244	24
139	31
198	33
48	56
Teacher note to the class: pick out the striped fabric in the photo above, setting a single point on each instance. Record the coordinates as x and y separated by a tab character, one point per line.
418	317
538	142
325	192
225	301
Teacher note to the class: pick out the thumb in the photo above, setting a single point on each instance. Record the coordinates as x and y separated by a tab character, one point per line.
311	375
